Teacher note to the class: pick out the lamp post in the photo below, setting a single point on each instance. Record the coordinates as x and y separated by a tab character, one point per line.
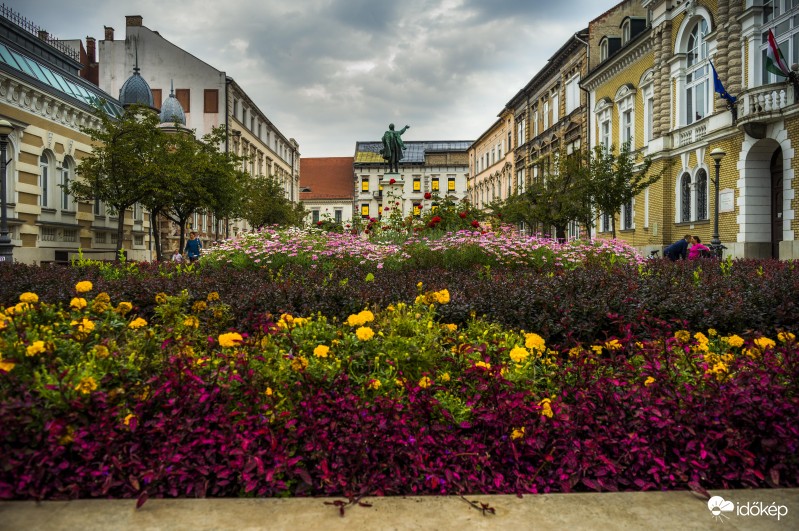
715	243
6	247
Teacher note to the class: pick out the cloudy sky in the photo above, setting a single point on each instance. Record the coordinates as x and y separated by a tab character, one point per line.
331	72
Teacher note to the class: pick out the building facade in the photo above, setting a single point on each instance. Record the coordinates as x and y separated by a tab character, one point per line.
661	83
47	102
440	169
491	176
326	190
550	115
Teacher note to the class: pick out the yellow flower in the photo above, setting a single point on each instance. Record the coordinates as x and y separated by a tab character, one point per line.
199	306
137	323
483	364
534	342
191	322
765	343
86	385
399	382
374	384
682	336
37	347
231	339
101	351
785	337
84	325
425	382
452	327
67	437
441	297
268	391
300	321
518	433
365	333
6	365
576	351
360	319
128	418
735	341
649	381
712	332
77	303
445	377
700	337
613	344
160	298
124	308
321	351
213	296
299	363
519	354
29	297
419	285
3	321
546	407
103	297
83	286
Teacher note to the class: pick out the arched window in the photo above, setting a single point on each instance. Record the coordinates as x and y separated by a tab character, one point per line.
685	197
697	76
627	215
67	173
46	176
701	195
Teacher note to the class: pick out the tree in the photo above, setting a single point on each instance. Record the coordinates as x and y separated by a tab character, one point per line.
615	179
266	204
557	198
124	162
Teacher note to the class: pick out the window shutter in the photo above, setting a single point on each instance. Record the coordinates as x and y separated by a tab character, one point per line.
211	98
183	98
157	99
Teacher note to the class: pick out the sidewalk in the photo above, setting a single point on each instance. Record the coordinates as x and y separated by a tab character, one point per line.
606	511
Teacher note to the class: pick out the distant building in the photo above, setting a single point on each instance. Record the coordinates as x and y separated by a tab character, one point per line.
438	168
491	160
47	102
326	189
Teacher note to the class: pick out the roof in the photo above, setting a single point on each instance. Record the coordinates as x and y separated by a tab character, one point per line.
327	178
414	152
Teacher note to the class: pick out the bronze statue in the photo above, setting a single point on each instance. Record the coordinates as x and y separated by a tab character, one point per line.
393	146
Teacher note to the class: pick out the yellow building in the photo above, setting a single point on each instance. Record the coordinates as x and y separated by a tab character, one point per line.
47	104
657	89
491	163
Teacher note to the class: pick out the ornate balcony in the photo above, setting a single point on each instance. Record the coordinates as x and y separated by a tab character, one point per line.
759	106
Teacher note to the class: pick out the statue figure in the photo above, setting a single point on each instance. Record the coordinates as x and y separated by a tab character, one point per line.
393	146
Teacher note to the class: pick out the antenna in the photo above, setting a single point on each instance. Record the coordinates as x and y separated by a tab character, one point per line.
136	64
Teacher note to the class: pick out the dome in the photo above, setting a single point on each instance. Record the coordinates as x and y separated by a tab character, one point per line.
136	90
172	110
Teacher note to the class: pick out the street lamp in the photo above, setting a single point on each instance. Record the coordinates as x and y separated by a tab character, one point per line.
6	247
715	243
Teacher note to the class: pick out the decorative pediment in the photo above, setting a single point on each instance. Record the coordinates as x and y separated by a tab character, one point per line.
603	105
625	91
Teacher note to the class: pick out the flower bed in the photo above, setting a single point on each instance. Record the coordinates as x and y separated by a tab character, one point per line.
97	400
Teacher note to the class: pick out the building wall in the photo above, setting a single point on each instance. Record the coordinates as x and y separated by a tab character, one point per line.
326	209
491	175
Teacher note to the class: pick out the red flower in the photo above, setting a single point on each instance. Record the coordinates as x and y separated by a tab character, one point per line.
319	223
392	181
475	223
462	215
427	195
372	220
436	219
386	209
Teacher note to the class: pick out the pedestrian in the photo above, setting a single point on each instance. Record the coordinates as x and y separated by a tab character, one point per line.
697	248
193	247
177	257
678	250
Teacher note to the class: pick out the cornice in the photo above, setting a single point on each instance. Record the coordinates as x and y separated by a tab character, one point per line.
37	102
603	73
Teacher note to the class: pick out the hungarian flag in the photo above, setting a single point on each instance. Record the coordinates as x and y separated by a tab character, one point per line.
775	62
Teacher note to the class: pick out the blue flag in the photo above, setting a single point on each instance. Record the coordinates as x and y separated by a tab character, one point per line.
718	87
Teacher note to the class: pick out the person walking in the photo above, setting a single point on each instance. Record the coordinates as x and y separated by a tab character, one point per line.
193	247
177	257
678	250
698	249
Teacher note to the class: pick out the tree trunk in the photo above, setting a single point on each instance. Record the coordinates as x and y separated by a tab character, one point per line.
120	232
613	226
159	252
560	233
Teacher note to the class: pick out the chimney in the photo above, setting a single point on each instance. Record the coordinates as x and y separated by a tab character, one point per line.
109	33
133	20
90	49
43	35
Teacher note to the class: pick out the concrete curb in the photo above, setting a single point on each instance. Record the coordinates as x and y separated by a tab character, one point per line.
607	511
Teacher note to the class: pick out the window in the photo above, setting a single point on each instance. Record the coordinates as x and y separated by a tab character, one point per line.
259	129
252	123
114	238
235	108
701	194
49	234
535	123
780	16
604	130
555	108
364	184
649	111
546	115
417	210
66	200
451	184
697	77
509	141
434	184
572	94
520	180
605	222
315	216
157	98
603	49
499	151
685	198
183	97
210	101
625	32
365	210
45	175
627	216
99	237
519	131
417	184
338	213
138	239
